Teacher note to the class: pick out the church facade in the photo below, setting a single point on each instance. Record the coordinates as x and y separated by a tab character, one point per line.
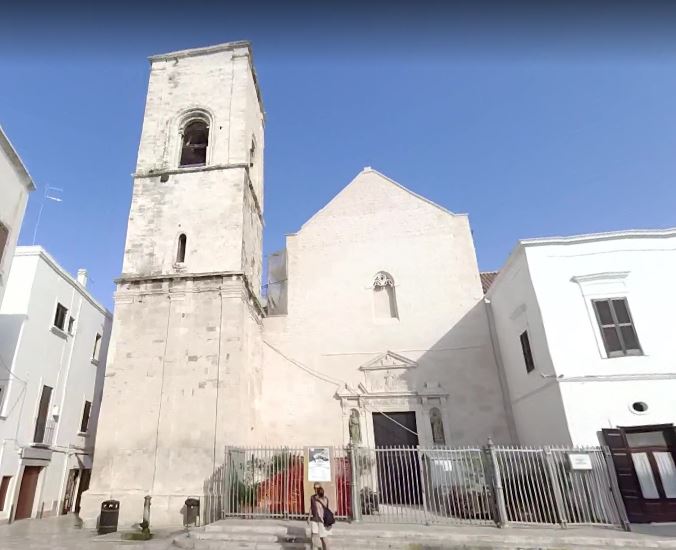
379	337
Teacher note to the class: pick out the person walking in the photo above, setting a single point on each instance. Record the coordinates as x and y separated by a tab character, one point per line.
320	533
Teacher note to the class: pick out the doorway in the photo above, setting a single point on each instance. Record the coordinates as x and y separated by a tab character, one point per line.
396	439
645	463
84	485
70	491
29	482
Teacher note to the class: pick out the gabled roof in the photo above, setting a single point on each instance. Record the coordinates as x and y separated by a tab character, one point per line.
367	170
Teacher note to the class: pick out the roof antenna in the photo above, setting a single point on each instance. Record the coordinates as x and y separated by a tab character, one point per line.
45	196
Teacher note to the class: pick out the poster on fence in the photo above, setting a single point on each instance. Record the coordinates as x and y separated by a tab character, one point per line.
319	464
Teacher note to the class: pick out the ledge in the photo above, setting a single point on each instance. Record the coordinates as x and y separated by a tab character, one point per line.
155	172
59	332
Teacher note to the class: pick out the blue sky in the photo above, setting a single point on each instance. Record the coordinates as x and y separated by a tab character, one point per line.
535	124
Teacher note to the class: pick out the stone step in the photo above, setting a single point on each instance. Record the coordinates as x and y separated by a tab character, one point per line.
250	536
224	527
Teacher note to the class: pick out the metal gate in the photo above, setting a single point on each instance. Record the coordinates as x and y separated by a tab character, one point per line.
485	486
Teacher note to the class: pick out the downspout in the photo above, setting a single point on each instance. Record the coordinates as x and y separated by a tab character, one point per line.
506	399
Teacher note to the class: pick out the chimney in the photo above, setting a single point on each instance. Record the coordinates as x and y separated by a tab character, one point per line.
82	277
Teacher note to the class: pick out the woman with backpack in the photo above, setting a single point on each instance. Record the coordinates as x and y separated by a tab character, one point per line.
321	518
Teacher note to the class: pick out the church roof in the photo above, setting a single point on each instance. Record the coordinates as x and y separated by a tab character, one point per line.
369	170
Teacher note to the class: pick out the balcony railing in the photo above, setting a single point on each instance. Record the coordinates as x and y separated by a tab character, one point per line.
44	433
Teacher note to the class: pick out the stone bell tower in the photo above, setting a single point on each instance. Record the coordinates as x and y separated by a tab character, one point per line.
185	351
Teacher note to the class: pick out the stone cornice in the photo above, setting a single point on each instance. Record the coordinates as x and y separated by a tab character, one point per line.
155	278
155	172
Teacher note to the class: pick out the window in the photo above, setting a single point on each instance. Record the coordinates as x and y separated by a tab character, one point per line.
195	143
384	297
252	153
71	325
527	353
85	417
617	327
437	423
659	437
4	485
180	251
41	421
97	348
4	236
60	316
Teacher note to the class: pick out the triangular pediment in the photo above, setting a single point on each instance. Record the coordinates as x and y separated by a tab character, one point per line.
389	360
367	189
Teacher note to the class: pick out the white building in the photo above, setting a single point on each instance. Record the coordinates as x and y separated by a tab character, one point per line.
15	185
53	344
584	329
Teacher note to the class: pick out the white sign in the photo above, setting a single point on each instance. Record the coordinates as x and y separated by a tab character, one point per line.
445	465
319	464
579	461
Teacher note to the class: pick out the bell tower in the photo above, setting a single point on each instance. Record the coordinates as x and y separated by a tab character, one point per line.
185	350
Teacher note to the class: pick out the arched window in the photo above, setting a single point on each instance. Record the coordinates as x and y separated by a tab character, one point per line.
384	296
195	142
437	427
180	252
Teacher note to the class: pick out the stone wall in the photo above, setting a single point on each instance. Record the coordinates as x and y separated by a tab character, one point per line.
331	328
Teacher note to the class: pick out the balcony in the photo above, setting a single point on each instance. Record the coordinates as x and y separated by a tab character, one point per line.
44	433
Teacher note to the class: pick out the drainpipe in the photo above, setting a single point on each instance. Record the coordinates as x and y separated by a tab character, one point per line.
506	399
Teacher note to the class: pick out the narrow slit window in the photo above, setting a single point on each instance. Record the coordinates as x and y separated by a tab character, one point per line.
384	296
195	143
84	425
252	153
180	253
527	353
97	348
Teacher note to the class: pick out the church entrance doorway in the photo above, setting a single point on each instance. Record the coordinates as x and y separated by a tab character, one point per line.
396	436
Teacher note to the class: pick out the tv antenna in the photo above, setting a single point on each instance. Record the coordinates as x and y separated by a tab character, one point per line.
49	194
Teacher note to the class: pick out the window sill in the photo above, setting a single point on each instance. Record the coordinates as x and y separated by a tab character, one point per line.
82	434
59	332
625	355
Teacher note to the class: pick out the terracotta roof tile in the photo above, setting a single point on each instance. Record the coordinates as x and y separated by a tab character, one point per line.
487	279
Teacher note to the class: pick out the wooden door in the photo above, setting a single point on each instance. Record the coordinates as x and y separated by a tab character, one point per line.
29	482
645	462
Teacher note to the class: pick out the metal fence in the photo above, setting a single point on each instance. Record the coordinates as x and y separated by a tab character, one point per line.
268	483
416	485
543	486
490	485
